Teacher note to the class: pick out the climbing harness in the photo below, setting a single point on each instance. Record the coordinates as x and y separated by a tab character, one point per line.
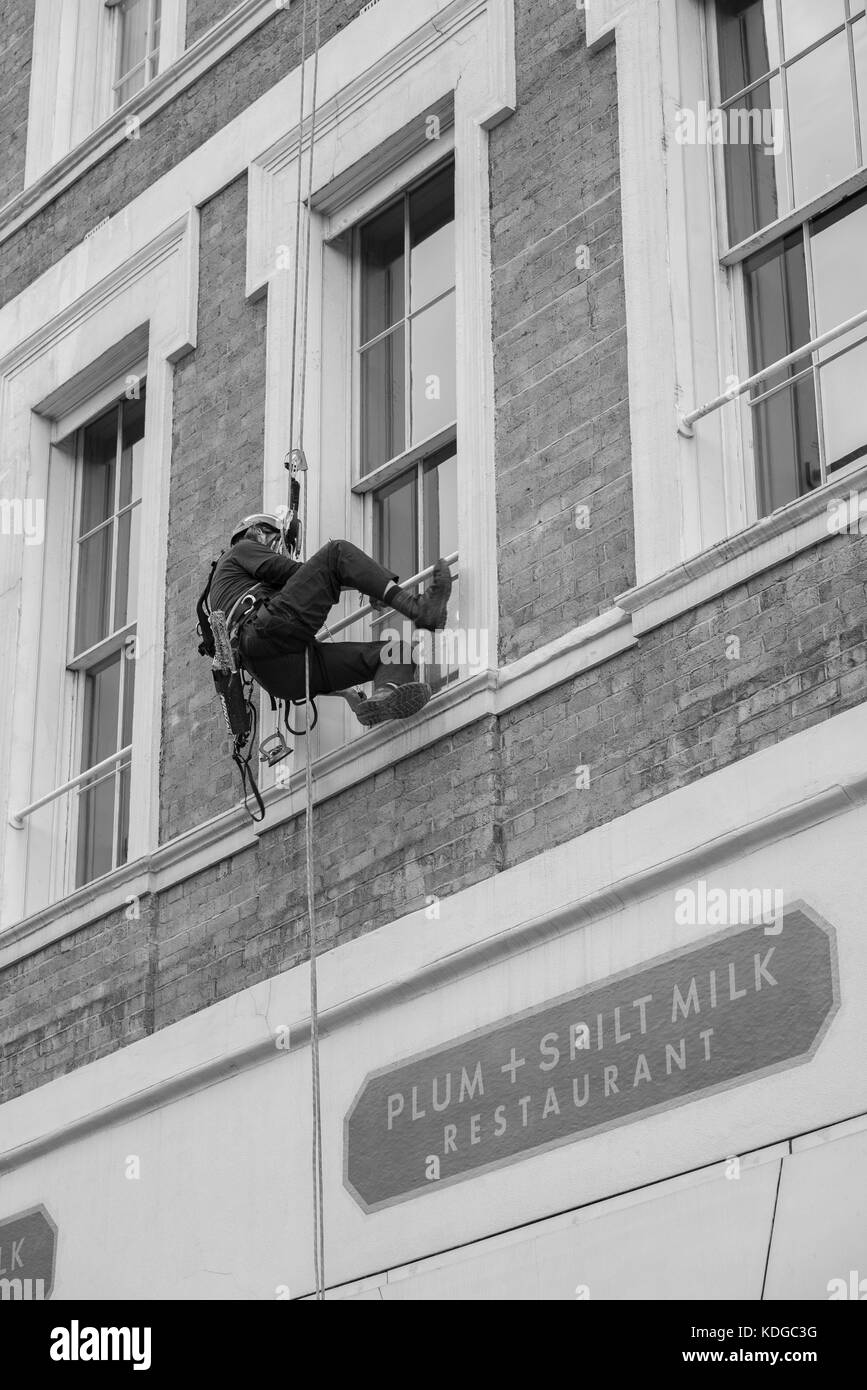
235	690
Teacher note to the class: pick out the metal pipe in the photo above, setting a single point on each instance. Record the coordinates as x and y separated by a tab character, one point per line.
17	819
686	422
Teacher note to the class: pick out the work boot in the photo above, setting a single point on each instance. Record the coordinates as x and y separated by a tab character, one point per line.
431	610
402	672
393	702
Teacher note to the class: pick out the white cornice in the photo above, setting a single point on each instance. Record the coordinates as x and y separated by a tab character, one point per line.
181	236
768	542
210	49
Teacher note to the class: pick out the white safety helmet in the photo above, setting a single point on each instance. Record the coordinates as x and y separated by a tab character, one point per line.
265	519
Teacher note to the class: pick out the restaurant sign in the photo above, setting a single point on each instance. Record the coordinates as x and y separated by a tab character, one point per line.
735	1007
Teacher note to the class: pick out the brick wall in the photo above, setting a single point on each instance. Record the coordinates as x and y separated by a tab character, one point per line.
202	15
216	477
16	49
675	708
494	795
680	706
218	97
559	337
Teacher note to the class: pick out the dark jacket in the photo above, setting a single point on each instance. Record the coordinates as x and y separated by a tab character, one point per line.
248	566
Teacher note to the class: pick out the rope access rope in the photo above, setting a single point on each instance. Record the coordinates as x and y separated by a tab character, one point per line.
318	1188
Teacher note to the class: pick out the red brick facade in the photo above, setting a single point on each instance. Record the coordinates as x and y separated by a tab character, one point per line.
672	709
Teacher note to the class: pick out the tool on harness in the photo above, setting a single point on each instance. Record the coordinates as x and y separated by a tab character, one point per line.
235	694
295	463
238	707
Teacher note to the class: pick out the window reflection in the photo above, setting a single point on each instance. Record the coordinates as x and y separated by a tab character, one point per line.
433	369
806	21
383	273
383	400
821	119
748	42
786	438
395	526
755	174
432	238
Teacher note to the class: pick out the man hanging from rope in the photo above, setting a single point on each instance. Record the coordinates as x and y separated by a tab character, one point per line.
275	606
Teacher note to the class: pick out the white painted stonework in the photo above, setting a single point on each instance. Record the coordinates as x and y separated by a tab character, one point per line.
219	1116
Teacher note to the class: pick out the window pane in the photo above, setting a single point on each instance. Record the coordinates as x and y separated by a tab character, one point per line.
383	401
838	247
441	538
128	669
755	175
100	453
94	589
96	830
778	310
748	42
126	584
434	396
786	438
806	21
132	450
395	526
859	35
821	120
440	507
122	851
843	384
432	239
131	86
101	709
133	35
382	272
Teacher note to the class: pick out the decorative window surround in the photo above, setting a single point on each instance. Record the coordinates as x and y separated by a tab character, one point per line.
817	776
231	833
681	312
90	310
431	59
74	45
186	68
768	542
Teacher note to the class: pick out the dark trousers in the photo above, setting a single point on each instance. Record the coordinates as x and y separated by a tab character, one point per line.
274	640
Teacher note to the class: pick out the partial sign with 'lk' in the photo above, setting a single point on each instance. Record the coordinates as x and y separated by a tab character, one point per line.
27	1247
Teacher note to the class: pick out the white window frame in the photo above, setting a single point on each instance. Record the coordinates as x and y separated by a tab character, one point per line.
78	664
116	8
92	317
73	71
734	256
696	530
363	486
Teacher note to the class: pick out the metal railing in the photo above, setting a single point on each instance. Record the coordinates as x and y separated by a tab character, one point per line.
379	609
17	819
686	422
